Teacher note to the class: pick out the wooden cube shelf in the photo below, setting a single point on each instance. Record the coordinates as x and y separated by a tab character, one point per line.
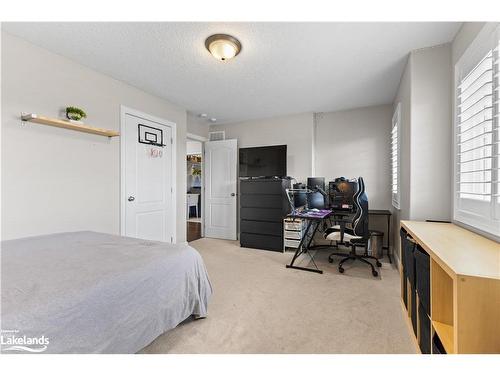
464	284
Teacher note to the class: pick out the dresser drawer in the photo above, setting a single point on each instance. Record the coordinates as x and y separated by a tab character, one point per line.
262	187
259	241
294	225
261	227
262	214
292	243
293	235
262	201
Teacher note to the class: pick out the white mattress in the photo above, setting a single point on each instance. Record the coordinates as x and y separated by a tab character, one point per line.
90	292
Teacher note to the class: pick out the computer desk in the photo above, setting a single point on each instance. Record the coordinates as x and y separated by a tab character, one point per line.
314	219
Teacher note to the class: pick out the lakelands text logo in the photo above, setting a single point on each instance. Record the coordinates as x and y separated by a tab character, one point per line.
12	341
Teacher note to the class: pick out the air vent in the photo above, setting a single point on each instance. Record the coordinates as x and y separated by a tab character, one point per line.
217	136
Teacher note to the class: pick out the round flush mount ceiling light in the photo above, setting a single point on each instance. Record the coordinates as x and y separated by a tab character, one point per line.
222	46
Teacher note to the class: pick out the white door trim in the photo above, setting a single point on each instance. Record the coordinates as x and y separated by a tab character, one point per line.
194	137
123	197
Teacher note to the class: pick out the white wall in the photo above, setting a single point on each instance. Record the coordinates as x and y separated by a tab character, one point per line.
193	148
197	126
356	143
296	131
403	97
431	134
464	38
56	180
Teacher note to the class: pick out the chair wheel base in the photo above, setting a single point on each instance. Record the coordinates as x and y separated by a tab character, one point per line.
375	273
379	264
330	260
341	270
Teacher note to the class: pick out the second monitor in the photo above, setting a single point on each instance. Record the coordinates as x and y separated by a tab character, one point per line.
316	199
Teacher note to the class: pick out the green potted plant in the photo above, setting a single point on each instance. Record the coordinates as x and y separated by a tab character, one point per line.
75	114
196	173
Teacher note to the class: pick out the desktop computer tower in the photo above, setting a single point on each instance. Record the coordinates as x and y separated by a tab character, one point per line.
341	193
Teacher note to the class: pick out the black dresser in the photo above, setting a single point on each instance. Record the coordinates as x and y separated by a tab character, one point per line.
263	206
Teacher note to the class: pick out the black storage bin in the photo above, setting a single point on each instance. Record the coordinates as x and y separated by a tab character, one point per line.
414	309
425	330
409	259
405	292
437	346
422	269
402	234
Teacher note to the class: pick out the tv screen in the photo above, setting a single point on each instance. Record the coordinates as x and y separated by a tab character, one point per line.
263	161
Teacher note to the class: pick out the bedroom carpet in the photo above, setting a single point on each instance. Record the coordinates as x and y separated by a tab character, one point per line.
259	306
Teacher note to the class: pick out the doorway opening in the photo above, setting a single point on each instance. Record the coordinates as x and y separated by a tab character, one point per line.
194	184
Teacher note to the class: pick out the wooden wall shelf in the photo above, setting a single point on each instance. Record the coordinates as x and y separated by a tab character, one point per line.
32	117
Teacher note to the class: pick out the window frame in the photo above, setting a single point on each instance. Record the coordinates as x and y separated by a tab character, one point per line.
396	122
489	222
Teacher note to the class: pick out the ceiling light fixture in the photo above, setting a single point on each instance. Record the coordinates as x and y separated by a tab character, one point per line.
222	46
213	119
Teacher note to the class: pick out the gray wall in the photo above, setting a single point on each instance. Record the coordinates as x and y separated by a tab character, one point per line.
431	134
296	131
464	38
403	97
197	125
56	180
357	143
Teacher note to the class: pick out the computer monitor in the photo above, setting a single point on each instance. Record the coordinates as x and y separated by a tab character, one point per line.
313	182
316	199
300	198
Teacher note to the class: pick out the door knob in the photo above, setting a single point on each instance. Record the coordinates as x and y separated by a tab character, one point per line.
131	198
233	194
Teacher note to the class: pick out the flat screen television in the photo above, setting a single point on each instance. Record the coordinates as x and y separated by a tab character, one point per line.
263	161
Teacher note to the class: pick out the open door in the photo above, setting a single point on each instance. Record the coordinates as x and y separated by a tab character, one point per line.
220	189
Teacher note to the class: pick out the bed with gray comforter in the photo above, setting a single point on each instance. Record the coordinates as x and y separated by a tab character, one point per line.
88	292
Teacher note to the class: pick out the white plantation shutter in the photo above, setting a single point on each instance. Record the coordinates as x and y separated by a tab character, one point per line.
477	140
395	156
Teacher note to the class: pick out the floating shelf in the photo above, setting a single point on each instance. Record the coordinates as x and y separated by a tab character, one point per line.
32	117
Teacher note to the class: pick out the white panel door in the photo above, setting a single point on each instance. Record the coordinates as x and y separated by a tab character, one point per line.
148	189
220	189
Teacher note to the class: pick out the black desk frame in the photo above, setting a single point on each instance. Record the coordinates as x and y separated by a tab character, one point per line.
315	223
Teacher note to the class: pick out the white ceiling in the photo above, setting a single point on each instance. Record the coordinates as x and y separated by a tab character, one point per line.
284	68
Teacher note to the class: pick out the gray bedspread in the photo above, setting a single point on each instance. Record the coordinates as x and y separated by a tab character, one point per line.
90	292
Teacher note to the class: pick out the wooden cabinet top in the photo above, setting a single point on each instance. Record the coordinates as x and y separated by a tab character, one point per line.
457	249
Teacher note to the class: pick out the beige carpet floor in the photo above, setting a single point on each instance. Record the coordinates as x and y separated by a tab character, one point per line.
259	306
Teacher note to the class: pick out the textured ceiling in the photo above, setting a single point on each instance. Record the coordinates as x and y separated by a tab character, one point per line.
284	68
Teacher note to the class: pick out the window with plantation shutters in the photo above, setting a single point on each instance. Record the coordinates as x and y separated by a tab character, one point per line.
477	148
395	155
